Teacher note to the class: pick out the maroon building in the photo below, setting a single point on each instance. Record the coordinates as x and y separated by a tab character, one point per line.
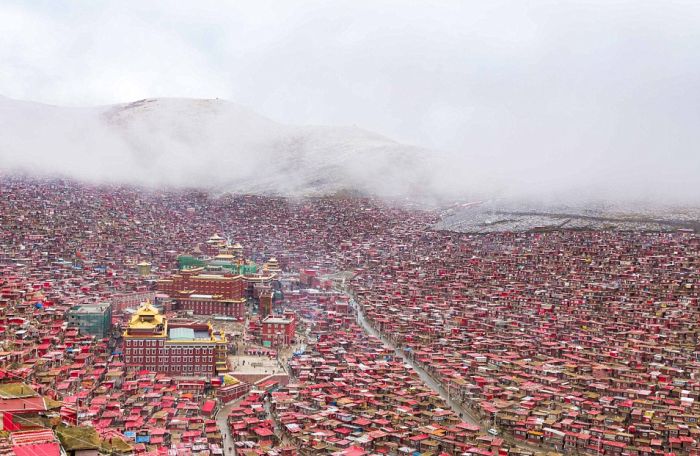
278	331
211	305
265	303
189	349
206	294
196	281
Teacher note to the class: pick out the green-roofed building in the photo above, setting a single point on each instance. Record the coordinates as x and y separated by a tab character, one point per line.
91	319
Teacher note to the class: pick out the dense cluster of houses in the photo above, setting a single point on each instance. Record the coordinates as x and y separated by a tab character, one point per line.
353	395
572	341
350	394
582	341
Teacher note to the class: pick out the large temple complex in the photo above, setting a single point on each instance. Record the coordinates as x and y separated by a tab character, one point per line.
219	281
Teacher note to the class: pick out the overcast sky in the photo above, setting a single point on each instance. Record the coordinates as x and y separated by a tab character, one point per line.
544	93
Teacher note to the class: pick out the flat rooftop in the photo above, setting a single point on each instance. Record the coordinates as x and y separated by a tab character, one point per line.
187	334
89	308
280	320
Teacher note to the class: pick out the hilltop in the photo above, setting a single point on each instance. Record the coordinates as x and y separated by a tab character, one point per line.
205	143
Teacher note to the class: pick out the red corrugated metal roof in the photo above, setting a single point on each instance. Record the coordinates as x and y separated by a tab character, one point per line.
41	449
208	406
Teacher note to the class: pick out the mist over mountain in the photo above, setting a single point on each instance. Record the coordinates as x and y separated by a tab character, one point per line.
211	144
220	146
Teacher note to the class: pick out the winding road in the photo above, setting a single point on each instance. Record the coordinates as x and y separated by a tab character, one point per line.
466	414
222	422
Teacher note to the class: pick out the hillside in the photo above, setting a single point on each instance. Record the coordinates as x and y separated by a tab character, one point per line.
210	144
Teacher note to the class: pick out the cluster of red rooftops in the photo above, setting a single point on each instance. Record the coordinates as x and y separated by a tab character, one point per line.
402	340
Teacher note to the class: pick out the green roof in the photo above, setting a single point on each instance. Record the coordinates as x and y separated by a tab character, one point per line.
16	390
185	261
78	438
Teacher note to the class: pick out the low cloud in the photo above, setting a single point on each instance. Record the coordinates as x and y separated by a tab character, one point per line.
537	99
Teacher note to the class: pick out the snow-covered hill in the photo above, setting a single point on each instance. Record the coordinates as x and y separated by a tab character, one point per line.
210	144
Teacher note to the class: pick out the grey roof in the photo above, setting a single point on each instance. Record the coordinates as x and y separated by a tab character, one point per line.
181	334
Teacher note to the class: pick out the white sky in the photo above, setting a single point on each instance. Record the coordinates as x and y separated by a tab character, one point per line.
543	92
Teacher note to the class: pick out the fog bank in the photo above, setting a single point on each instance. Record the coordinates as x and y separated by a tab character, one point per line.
539	99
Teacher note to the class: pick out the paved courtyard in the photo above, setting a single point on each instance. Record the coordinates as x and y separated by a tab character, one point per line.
248	364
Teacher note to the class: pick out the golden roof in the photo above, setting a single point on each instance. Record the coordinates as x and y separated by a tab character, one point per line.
271	265
230	380
147	308
140	324
146	317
